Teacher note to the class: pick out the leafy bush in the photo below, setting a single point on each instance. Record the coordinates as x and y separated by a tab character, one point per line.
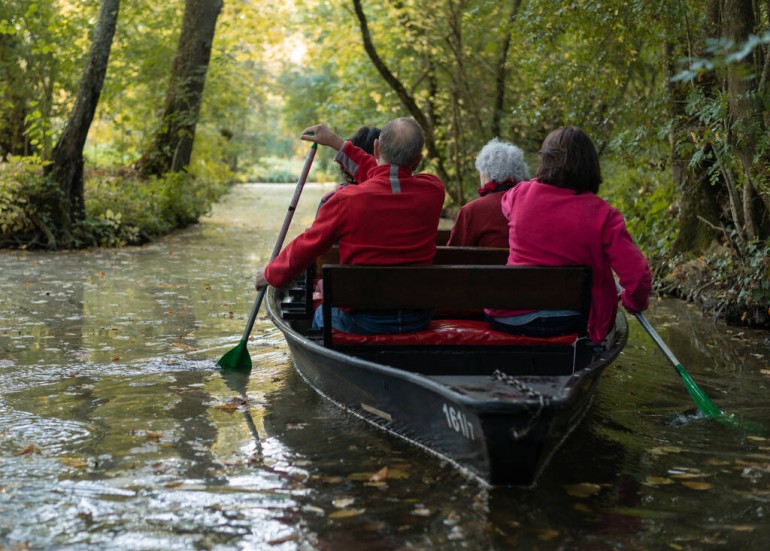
124	209
24	208
121	209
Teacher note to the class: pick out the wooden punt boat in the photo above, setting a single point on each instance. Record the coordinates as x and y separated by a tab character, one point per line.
495	405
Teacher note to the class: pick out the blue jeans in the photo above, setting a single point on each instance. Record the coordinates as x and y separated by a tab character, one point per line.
365	323
538	325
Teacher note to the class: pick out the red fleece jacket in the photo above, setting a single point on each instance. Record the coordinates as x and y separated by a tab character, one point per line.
551	226
390	218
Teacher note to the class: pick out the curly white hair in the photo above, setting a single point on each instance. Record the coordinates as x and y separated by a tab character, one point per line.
499	161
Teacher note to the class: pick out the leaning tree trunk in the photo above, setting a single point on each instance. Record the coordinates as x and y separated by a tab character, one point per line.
66	168
172	143
407	100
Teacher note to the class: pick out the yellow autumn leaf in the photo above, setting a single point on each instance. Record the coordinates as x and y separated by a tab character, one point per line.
661	450
658	481
380	475
548	535
346	513
742	527
229	407
583	489
72	462
697	485
682	476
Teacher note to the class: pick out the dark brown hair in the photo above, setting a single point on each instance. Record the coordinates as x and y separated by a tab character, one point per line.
568	159
363	138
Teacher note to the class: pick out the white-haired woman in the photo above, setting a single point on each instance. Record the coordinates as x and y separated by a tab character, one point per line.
481	223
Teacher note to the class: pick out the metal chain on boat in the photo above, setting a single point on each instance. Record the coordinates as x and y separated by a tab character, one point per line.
530	393
516	383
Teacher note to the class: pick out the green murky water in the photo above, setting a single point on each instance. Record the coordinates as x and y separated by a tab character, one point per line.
118	432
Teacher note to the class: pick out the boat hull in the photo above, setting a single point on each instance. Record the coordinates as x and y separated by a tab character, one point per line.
501	433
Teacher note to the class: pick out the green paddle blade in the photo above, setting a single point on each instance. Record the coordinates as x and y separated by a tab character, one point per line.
700	398
238	358
712	411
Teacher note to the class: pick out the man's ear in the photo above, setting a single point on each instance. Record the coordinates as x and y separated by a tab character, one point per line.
377	149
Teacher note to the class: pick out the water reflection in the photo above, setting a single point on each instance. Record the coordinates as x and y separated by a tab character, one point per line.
117	430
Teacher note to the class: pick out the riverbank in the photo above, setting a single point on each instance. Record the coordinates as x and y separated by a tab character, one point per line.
725	288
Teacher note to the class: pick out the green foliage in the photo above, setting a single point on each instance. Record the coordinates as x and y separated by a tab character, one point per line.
23	215
122	209
647	199
281	170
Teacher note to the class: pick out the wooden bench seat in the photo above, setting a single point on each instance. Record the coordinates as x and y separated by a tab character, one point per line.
457	287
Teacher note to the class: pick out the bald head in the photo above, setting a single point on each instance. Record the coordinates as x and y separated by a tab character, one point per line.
401	142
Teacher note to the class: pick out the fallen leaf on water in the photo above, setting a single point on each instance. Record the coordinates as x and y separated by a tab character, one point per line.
583	489
380	475
660	450
285	539
115	358
153	435
207	286
173	484
229	407
29	450
72	462
697	485
658	481
342	502
742	527
397	474
346	513
695	474
332	479
548	535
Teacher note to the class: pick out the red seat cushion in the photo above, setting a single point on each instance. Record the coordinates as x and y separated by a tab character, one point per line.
448	332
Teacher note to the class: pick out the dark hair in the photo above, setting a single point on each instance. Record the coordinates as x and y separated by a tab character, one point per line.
363	138
568	159
401	142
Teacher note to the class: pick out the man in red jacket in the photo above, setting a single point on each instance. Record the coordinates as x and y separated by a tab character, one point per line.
390	218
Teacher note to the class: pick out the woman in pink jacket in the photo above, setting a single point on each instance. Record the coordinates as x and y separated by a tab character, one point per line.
557	219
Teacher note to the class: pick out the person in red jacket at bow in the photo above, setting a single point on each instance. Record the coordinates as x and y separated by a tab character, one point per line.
389	218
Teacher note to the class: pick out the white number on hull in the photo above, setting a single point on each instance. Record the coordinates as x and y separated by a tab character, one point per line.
458	421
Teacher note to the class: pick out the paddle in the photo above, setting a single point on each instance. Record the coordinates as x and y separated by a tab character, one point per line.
238	357
703	402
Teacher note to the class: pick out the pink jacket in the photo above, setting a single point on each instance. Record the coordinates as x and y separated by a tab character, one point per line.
551	226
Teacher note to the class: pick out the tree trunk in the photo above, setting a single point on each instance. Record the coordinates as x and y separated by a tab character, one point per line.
698	198
13	100
66	168
747	127
406	98
172	143
501	73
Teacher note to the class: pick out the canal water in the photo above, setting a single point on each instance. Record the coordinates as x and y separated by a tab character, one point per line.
117	430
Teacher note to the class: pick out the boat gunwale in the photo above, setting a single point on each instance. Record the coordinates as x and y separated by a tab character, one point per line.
482	406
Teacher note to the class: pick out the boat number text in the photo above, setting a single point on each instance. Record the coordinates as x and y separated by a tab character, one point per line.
458	421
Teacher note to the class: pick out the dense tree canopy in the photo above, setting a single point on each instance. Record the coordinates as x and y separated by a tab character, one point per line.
675	94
